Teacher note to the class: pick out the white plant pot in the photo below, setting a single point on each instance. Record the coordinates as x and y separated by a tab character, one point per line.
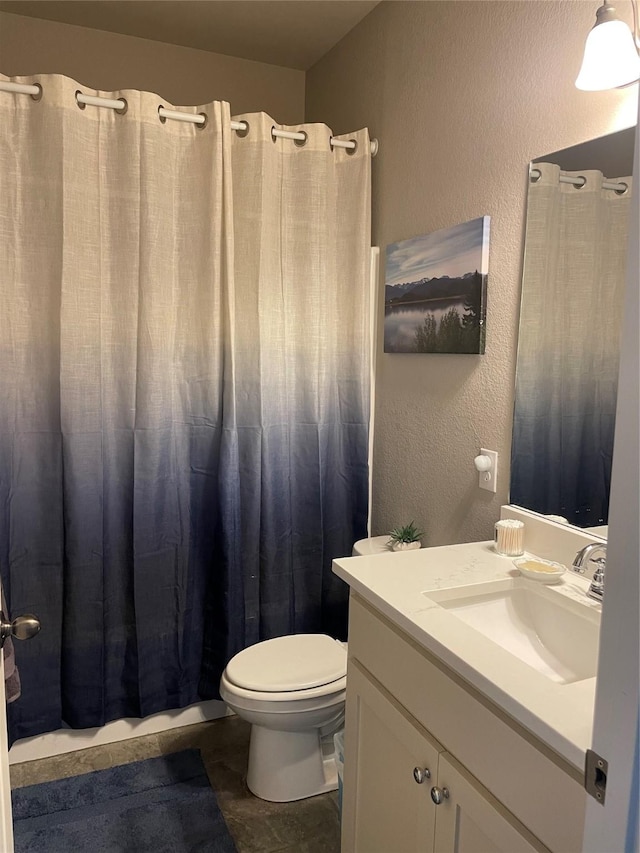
406	546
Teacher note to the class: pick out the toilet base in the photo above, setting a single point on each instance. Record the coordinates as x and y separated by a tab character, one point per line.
288	766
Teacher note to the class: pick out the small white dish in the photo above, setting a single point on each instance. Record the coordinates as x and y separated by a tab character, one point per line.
537	569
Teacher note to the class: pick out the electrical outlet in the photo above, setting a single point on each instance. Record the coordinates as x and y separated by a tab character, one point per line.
489	479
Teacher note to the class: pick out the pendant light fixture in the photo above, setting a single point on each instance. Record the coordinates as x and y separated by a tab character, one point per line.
610	53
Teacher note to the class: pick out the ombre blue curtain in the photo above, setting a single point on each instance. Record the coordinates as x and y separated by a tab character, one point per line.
183	395
568	348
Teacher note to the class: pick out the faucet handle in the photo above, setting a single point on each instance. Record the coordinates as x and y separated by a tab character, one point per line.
596	588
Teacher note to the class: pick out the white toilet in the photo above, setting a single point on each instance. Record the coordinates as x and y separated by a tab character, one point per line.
292	690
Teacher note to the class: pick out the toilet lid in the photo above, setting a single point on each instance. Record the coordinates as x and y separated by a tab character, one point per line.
296	662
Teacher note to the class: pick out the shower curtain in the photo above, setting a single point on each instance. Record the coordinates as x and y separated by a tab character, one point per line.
183	394
571	315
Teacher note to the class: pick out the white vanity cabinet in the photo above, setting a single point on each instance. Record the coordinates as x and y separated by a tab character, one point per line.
394	766
413	726
384	808
470	820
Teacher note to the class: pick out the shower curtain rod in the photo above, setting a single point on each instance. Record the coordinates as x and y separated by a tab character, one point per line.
120	105
579	181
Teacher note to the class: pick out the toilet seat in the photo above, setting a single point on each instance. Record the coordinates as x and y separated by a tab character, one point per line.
312	664
286	700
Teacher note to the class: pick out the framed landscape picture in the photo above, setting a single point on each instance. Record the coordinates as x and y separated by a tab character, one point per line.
435	291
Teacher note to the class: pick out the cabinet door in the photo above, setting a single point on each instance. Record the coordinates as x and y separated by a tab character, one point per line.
385	810
470	820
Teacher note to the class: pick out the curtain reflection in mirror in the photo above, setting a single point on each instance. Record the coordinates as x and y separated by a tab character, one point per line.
573	285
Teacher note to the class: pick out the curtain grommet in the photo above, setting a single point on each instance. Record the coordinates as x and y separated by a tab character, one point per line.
274	138
624	190
245	130
78	104
352	151
203	124
300	143
38	95
582	185
123	109
163	119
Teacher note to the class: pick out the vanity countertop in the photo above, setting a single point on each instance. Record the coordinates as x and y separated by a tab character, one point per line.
398	585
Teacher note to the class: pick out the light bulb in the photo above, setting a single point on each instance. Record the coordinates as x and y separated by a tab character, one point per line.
610	55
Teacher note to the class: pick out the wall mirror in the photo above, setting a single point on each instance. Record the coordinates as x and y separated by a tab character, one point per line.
570	318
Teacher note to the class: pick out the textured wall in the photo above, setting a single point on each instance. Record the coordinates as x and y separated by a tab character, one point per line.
180	75
461	96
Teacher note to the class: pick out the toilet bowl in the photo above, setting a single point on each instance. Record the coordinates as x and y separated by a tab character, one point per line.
292	690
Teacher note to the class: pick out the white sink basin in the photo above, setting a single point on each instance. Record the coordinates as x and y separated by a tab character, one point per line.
556	636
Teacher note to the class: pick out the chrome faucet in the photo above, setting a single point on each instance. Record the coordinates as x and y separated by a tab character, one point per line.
585	556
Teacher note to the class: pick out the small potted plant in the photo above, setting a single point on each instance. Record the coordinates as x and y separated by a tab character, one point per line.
405	538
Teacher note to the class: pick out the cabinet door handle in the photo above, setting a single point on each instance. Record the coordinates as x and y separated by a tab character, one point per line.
420	774
439	794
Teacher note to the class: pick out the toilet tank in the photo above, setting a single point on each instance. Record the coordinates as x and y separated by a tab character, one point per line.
372	545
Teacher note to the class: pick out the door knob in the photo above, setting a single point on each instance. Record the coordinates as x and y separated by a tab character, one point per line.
439	794
420	774
22	628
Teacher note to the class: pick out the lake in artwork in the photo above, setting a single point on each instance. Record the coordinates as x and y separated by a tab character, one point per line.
435	291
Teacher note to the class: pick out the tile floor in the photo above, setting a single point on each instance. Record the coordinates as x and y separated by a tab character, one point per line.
306	826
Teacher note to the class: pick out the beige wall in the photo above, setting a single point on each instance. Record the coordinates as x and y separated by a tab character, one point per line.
180	75
461	96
